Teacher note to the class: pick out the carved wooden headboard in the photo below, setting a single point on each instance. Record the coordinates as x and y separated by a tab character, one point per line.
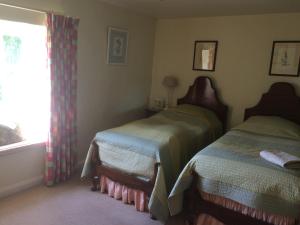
281	100
202	93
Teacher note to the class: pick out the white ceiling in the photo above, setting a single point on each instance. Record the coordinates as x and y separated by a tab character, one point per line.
193	8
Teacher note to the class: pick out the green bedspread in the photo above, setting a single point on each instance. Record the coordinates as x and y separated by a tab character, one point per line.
171	137
231	168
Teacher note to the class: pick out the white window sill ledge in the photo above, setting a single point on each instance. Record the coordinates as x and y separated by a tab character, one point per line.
18	147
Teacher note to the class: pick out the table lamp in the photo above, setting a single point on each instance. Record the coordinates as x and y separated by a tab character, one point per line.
170	83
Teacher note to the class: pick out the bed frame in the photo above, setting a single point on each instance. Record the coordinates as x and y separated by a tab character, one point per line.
201	93
281	100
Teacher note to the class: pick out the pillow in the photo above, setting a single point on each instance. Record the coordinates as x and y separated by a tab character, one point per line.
191	110
197	111
271	125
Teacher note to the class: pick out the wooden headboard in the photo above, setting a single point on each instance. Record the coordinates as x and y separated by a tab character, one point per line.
202	93
281	100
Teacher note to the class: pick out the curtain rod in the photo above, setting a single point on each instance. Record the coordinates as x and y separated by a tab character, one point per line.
30	9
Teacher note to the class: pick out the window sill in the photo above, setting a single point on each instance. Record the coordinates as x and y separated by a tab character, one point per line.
18	147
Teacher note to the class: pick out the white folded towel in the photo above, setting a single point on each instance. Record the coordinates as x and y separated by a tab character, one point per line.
282	159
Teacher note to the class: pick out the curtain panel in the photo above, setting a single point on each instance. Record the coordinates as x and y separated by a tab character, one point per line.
62	35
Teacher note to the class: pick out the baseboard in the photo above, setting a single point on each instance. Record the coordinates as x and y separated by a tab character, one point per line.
20	186
26	184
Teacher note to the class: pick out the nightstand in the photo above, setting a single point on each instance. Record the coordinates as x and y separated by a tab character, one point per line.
152	111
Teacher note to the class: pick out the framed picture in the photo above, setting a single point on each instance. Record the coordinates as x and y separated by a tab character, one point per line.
205	54
117	46
285	58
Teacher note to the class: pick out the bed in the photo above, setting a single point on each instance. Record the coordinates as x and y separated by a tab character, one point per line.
140	161
228	183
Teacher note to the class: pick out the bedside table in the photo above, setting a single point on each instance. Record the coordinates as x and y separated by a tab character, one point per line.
152	111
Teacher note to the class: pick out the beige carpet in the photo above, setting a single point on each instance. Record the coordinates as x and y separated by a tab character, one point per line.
70	203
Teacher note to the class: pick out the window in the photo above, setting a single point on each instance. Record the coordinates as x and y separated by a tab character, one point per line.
24	81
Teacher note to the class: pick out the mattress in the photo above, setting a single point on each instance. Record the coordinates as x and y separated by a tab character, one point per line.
132	148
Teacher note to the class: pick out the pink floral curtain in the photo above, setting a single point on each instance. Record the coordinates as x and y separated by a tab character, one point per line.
62	52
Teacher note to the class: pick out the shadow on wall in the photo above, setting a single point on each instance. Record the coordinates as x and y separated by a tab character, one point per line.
119	119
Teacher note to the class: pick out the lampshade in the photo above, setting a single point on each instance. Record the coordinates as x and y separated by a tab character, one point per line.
170	81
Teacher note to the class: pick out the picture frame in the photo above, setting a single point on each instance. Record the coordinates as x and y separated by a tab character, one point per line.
205	54
117	46
285	59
